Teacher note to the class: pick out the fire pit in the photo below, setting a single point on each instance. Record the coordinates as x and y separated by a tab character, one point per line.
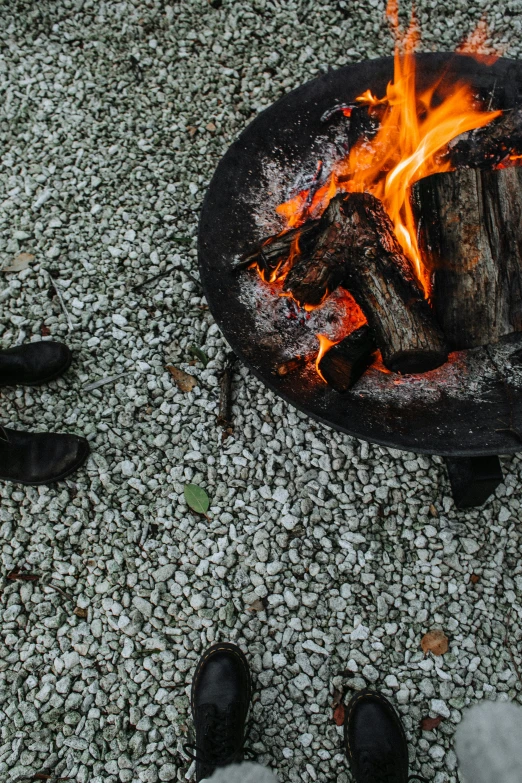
436	385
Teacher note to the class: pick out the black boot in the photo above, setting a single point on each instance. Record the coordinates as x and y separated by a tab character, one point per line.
39	457
221	692
374	740
33	363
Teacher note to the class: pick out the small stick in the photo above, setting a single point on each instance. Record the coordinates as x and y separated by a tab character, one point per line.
62	302
225	393
165	274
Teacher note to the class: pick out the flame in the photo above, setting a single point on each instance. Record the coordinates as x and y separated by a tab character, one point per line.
324	345
477	46
414	129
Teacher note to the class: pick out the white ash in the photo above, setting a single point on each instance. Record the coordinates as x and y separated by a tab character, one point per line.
105	161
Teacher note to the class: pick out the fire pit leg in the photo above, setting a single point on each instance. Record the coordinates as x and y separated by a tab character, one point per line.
473	479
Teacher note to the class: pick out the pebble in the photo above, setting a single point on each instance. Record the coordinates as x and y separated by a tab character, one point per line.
356	550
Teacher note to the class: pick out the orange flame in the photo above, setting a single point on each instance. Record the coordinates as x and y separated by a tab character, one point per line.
324	345
476	44
415	128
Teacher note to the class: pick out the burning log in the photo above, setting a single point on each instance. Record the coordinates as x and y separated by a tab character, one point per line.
274	251
470	232
357	249
343	365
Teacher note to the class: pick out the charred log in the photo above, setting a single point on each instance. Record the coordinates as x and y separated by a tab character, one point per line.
272	252
314	275
357	248
470	233
487	147
344	363
381	280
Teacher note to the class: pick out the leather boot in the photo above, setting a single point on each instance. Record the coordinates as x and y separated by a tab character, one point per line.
39	457
221	692
374	740
33	363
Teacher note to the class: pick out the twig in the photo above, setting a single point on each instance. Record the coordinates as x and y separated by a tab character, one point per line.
70	324
225	394
165	274
59	590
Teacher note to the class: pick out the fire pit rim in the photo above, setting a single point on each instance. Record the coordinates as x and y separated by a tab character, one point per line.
470	433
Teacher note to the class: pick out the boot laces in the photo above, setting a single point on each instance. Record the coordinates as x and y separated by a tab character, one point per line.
221	746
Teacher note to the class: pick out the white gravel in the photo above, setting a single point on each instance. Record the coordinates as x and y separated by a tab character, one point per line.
114	116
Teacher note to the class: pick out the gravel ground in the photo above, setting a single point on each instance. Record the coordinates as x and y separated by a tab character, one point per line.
114	116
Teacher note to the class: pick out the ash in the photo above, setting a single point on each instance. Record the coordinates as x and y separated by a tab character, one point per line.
357	550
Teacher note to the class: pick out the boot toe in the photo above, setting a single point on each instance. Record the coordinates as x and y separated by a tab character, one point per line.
40	457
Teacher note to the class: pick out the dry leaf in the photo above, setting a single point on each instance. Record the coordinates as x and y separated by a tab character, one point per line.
433	511
19	263
337	698
428	724
257	606
44	330
80	612
191	129
183	380
210	126
474	578
338	715
435	641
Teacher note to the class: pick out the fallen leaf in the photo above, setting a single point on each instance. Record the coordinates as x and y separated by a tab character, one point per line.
22	576
337	698
192	129
210	126
474	578
80	611
196	498
195	351
435	641
257	606
433	511
428	724
183	380
19	263
338	715
44	330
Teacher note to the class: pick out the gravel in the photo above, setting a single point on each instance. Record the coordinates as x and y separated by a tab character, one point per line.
114	116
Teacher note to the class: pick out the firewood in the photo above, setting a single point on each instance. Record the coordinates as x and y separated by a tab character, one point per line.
489	146
271	252
357	249
470	235
343	365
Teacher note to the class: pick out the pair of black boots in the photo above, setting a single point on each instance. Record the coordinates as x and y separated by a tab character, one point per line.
374	739
37	457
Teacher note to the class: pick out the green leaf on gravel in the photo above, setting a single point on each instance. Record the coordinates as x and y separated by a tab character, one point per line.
196	498
199	354
183	240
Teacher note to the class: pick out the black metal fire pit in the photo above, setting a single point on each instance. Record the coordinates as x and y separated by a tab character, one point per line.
472	406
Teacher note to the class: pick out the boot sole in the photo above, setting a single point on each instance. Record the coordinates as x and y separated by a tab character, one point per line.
227	647
81	461
57	374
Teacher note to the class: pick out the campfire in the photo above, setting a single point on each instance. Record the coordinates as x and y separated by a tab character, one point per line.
416	229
